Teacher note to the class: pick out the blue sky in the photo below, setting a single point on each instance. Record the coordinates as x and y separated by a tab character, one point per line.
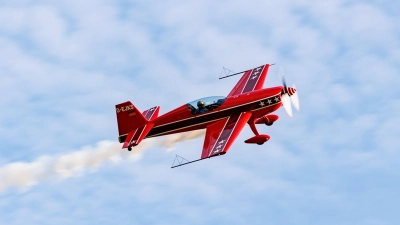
65	65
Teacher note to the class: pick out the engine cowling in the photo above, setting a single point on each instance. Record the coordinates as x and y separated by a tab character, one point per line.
267	119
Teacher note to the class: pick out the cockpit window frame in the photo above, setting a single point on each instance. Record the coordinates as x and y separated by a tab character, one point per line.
211	103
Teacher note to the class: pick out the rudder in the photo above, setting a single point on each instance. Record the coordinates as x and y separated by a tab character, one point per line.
128	118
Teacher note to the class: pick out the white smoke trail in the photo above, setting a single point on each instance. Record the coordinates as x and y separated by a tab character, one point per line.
172	140
23	174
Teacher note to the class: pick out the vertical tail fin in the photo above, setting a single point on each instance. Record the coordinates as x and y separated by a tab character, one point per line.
129	118
133	126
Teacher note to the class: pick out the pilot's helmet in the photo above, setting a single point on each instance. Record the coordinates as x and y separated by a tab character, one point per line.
200	104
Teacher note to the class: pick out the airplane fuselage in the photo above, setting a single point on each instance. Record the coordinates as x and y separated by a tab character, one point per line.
181	119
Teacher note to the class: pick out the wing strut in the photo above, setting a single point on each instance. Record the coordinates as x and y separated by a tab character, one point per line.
182	161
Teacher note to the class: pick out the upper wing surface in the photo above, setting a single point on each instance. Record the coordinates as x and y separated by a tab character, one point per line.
221	134
251	80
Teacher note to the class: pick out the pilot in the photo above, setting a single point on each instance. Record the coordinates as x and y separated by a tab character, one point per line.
202	107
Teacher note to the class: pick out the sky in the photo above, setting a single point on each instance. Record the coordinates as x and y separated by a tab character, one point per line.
65	65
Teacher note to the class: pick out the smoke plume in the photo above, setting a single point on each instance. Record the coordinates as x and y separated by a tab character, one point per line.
26	174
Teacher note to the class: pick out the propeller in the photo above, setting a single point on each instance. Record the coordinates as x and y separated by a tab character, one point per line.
289	95
295	99
286	104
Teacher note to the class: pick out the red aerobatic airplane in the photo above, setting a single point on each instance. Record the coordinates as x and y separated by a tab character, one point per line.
222	117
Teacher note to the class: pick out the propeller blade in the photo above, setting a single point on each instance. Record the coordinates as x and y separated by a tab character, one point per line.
281	76
286	104
295	99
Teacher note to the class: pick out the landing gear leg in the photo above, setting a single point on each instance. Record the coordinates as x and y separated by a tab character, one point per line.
129	149
253	126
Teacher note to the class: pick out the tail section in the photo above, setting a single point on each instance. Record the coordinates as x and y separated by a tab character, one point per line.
133	126
129	118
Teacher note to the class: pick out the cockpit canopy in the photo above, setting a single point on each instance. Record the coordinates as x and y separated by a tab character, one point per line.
205	104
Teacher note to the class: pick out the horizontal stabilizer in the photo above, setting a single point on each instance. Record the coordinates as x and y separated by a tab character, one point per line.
136	136
151	113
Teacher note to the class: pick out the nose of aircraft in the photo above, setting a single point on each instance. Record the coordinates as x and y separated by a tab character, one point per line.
289	95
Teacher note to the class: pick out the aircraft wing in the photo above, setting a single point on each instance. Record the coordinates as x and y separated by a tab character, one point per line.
221	134
251	80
